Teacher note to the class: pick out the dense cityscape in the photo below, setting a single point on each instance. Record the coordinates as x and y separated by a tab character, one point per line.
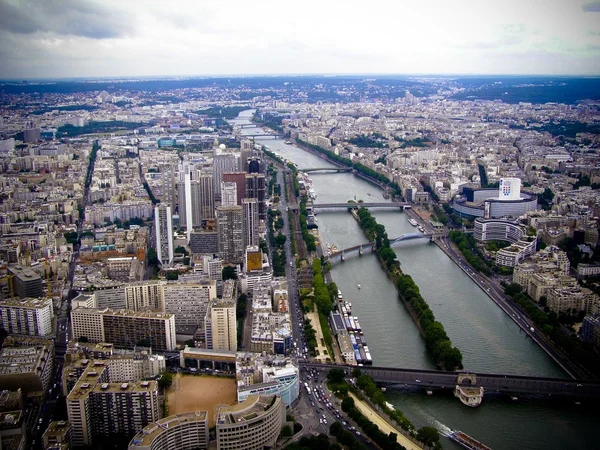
166	284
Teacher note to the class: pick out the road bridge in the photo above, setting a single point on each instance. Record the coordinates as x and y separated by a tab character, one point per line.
492	383
388	205
328	169
341	255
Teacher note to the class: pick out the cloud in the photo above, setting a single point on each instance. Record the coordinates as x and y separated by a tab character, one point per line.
68	17
591	7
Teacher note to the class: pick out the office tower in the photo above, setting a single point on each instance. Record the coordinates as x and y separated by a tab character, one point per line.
163	229
228	193
29	316
256	188
27	283
239	178
250	207
246	147
197	190
223	163
188	302
230	233
220	323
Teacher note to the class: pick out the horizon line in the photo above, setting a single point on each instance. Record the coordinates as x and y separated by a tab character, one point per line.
307	74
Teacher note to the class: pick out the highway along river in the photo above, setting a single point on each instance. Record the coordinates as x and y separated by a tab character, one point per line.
489	340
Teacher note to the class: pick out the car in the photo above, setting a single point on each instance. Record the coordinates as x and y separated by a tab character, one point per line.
417	381
358	433
320	420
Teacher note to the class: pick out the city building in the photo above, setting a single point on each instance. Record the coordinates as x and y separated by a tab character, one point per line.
99	408
230	233
188	302
254	424
521	246
220	321
26	364
125	328
251	222
163	229
507	201
27	283
266	375
204	242
228	193
187	431
57	435
30	316
256	187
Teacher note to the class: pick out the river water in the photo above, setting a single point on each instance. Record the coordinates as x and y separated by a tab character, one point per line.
488	339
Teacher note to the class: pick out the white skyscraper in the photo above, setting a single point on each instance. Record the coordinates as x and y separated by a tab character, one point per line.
250	209
164	234
228	193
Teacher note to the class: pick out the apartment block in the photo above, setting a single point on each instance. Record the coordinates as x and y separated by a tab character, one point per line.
125	328
187	431
99	408
31	316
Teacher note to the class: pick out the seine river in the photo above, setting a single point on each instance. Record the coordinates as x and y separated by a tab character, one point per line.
489	340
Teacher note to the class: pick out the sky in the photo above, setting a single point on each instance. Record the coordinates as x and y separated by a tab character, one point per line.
119	38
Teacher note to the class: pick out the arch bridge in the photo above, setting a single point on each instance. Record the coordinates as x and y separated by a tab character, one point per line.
328	169
360	249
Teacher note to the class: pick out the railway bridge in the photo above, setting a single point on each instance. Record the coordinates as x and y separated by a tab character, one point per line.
578	390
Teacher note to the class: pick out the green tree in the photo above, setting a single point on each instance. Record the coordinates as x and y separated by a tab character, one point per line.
165	380
287	431
229	273
336	375
428	435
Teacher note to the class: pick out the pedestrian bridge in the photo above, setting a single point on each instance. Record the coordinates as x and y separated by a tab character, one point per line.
578	390
341	255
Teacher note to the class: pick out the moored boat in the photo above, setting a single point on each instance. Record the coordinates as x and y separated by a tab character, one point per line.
413	222
467	441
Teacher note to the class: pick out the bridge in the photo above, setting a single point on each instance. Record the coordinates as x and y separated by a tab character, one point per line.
341	255
393	205
491	383
248	125
328	169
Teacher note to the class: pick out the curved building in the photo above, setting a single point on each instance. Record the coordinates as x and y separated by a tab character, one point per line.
185	431
251	425
521	246
506	201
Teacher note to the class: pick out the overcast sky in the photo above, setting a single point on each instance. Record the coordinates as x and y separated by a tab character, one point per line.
85	38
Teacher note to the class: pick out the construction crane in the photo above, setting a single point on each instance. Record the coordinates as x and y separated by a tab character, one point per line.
9	278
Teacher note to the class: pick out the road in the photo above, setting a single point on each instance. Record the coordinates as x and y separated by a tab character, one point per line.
494	290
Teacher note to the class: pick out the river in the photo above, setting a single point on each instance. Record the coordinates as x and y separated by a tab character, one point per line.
489	340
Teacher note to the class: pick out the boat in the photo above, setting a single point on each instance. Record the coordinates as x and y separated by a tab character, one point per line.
467	441
413	222
287	142
358	286
421	229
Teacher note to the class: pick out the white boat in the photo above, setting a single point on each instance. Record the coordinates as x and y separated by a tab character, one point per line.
413	222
